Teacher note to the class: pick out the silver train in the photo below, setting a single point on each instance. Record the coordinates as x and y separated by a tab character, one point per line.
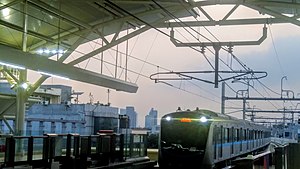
205	139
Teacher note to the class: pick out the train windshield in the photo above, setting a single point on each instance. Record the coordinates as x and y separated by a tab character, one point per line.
184	130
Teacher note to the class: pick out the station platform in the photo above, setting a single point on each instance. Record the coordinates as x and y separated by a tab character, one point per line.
73	151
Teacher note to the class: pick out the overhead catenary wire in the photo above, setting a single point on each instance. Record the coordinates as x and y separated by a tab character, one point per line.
153	27
243	65
49	23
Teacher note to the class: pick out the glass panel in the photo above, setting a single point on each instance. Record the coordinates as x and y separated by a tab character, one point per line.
21	149
2	149
37	148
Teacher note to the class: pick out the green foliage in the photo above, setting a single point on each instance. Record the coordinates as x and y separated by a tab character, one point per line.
153	141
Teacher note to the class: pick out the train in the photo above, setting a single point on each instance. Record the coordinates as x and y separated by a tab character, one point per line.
206	139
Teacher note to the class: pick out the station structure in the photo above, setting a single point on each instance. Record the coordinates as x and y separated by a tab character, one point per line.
44	36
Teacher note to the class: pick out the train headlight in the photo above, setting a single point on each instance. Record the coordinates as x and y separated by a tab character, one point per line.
203	119
168	118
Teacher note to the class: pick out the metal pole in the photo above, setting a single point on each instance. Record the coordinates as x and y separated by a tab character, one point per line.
284	122
223	98
21	92
244	109
284	77
217	49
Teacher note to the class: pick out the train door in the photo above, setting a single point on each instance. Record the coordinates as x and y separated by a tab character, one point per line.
232	140
247	138
255	139
252	138
215	141
241	139
226	141
220	140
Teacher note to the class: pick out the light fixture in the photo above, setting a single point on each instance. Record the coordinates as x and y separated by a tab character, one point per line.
12	66
52	75
203	119
168	118
24	85
48	51
6	13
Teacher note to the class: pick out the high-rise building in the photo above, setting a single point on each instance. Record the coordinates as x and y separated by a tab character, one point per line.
151	120
131	113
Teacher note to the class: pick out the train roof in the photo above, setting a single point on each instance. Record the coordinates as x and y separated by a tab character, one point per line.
220	116
217	117
213	115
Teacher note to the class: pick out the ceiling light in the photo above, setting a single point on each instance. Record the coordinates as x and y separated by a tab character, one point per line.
6	13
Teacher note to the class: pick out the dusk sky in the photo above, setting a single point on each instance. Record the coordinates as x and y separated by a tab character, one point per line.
277	55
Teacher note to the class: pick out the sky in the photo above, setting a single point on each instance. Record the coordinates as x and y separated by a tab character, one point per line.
277	55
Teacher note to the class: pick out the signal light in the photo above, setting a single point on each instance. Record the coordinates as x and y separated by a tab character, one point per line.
185	120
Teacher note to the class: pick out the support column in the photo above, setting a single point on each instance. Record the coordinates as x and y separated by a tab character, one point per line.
21	92
244	108
223	99
20	114
217	49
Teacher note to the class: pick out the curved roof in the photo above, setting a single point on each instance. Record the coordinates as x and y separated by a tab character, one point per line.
36	25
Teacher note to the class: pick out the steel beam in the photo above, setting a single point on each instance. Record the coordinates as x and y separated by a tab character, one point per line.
108	46
229	43
275	14
272	111
17	57
228	22
262	98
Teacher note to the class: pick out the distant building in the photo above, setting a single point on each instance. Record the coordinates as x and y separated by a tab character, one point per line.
64	96
151	121
54	113
75	118
131	113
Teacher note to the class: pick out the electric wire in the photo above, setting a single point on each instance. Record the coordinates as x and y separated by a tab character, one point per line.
148	54
67	30
275	50
243	65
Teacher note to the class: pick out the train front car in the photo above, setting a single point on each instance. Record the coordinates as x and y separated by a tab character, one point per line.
183	138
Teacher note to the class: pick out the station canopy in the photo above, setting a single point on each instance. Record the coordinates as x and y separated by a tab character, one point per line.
29	28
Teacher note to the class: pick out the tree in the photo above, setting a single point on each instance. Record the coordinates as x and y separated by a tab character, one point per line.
153	141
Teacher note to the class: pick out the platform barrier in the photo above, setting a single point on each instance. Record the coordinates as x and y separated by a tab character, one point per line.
73	151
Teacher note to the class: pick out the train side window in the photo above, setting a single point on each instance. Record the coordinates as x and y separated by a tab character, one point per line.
245	134
231	135
237	134
226	135
215	134
255	134
220	139
241	134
